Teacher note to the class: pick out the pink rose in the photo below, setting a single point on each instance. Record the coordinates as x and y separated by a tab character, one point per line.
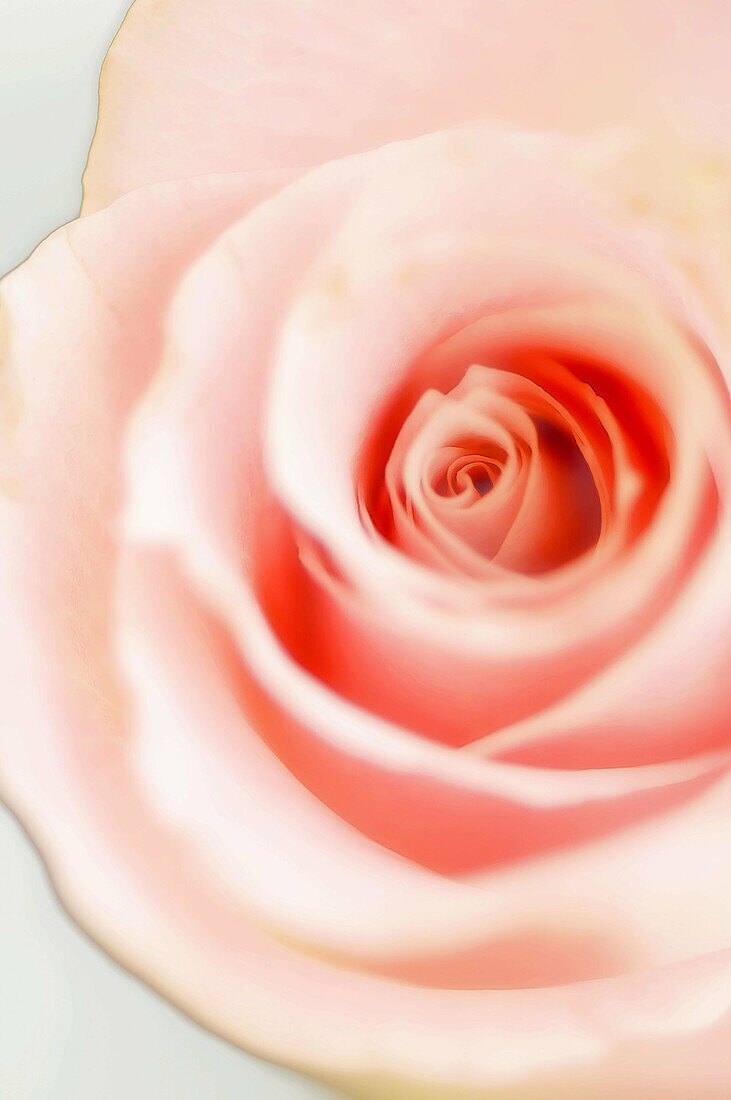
365	538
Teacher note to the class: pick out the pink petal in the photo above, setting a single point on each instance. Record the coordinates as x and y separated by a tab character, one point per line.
301	871
193	86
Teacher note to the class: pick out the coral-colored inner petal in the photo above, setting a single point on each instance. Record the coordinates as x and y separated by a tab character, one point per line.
496	471
539	468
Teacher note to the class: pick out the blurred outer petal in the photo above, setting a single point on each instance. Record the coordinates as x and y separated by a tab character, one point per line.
194	86
80	337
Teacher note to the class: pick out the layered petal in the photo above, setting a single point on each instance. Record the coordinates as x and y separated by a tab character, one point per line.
200	751
209	499
82	335
192	86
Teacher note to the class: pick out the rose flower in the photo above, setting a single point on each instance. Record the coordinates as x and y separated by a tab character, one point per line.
365	541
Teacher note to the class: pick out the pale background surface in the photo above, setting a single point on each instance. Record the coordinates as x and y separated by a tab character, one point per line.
73	1026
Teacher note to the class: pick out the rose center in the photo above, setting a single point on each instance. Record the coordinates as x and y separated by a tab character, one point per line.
491	474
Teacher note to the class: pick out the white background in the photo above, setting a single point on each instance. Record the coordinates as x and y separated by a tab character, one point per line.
73	1026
